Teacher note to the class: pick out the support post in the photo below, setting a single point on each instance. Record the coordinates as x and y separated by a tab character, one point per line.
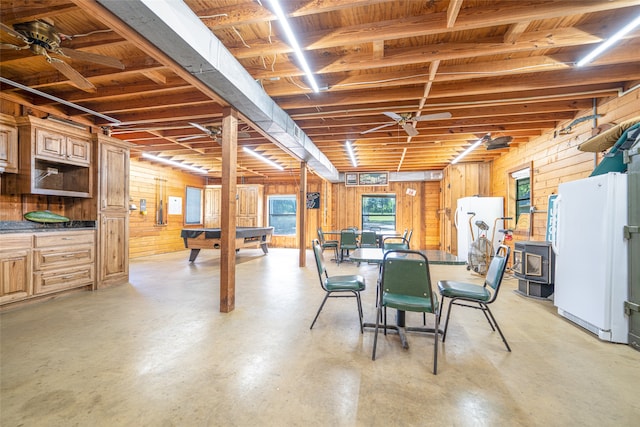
302	215
228	210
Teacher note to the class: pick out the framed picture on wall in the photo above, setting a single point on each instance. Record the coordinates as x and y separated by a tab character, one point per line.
350	178
373	178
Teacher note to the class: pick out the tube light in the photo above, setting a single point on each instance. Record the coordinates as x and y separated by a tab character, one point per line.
351	154
467	151
264	159
610	41
173	163
293	42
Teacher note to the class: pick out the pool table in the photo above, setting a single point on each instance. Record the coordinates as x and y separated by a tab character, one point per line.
209	238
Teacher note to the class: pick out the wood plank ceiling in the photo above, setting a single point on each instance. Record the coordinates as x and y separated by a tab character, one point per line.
499	68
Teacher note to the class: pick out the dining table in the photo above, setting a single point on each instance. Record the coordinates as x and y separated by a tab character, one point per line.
376	256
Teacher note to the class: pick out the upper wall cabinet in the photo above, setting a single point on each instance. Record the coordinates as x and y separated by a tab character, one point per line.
55	159
8	144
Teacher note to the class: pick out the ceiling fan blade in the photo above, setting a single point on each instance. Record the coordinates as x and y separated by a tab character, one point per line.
7	29
409	129
91	57
393	116
243	134
432	117
202	128
377	128
13	46
76	78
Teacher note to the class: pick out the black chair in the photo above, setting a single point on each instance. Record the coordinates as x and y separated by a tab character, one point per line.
406	286
348	242
346	286
478	296
328	244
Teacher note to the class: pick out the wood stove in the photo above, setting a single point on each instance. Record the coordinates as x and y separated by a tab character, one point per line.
533	265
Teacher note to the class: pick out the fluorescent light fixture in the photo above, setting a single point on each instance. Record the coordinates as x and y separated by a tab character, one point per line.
264	159
173	163
467	151
610	41
293	42
351	154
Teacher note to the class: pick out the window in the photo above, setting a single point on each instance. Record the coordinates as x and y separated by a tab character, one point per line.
379	212
282	214
523	196
193	209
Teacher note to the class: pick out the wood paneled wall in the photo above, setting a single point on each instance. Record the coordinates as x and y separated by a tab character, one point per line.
556	159
147	238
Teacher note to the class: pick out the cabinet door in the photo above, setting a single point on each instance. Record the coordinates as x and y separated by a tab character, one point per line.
78	151
114	249
212	198
114	178
8	149
15	275
50	145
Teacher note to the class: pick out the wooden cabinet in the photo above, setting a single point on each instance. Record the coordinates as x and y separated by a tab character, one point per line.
249	208
212	199
460	180
8	144
55	159
15	267
113	211
63	260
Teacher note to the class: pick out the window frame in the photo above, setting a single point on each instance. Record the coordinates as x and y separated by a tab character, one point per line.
294	214
193	203
379	196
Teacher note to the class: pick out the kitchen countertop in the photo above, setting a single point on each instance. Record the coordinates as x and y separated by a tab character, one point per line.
30	226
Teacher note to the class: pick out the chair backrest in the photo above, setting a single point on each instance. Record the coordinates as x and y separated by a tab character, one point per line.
395	242
348	239
406	272
409	234
368	239
320	235
322	270
496	269
404	234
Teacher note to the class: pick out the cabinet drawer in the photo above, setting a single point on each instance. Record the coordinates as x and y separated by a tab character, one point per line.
56	258
50	144
15	241
63	239
61	279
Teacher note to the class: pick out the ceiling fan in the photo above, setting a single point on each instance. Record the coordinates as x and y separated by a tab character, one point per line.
41	37
496	143
211	131
405	120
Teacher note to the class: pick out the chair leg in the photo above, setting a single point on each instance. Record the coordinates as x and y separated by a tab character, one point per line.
375	337
360	314
319	310
484	311
435	344
498	328
446	322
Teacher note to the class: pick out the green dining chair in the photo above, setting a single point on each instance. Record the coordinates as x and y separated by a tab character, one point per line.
346	286
328	244
395	242
406	286
368	239
478	296
348	242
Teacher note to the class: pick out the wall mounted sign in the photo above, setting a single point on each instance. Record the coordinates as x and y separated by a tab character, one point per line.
350	178
373	178
313	200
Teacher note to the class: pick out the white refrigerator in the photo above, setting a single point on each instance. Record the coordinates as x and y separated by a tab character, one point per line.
486	209
591	254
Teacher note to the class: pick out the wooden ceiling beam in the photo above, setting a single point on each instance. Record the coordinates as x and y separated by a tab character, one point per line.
500	13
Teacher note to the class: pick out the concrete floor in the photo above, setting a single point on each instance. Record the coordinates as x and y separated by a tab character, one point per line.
158	352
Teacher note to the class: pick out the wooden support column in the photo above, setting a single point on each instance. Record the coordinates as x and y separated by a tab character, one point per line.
228	210
302	215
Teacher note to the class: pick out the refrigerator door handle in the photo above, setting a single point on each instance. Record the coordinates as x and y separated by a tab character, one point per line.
455	217
554	233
